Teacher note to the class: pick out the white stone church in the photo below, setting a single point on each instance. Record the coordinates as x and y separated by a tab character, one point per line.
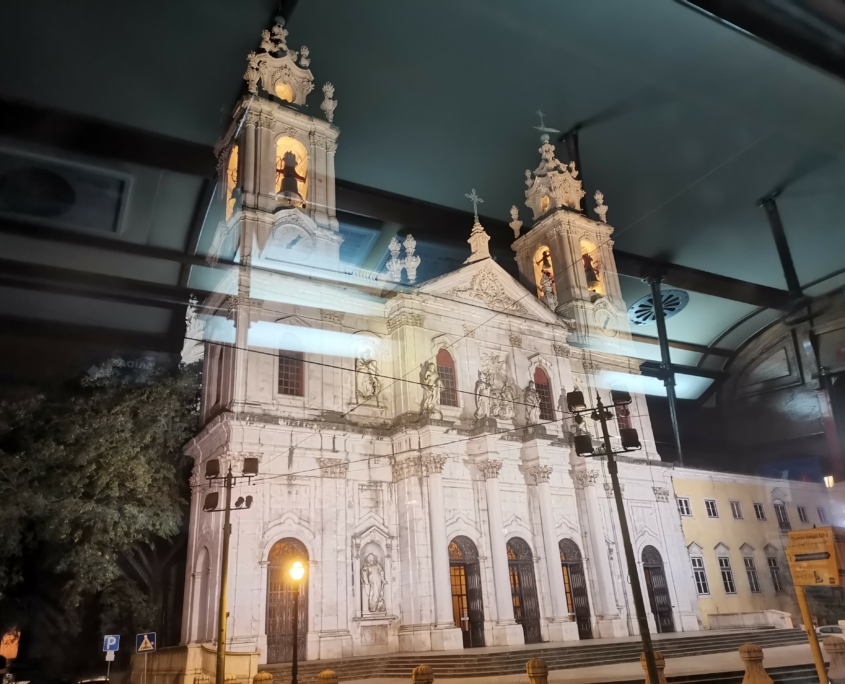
413	451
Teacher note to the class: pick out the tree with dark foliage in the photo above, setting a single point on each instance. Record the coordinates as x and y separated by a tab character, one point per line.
93	508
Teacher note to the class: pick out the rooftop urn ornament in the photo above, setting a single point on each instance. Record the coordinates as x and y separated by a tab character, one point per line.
479	238
304	59
409	263
601	207
515	223
328	105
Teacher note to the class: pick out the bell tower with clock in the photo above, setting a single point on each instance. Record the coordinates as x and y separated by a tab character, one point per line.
566	256
277	165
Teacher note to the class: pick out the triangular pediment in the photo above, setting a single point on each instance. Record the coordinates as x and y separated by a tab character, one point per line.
487	284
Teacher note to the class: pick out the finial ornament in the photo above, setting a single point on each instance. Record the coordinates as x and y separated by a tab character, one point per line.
515	223
410	262
328	106
545	130
476	200
601	208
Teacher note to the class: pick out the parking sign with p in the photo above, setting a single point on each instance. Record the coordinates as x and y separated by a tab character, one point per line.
111	642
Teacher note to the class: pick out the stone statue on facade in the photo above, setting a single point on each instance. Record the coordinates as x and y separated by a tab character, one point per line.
432	385
369	384
483	390
548	289
328	105
507	397
372	584
532	404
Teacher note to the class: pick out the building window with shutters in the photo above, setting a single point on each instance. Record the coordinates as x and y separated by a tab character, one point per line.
802	514
760	512
774	569
710	507
822	516
684	506
700	575
736	510
782	516
291	375
751	573
727	575
541	382
446	369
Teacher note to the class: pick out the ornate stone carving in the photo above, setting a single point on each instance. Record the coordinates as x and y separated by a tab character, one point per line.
332	316
408	467
585	478
515	223
469	331
516	341
404	318
432	386
486	287
661	494
553	184
304	57
562	350
275	68
368	384
328	105
494	395
433	464
490	469
549	297
409	263
532	404
483	388
333	467
194	345
601	208
591	366
608	489
540	473
372	584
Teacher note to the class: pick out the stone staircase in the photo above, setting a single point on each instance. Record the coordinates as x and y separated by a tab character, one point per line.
793	674
485	663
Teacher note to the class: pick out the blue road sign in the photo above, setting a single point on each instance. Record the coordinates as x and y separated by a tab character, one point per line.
111	642
145	643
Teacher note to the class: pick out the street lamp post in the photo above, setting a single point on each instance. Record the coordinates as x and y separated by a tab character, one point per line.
630	440
297	570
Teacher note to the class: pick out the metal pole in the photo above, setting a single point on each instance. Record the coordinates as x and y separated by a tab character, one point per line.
294	668
811	634
666	361
145	668
108	668
633	573
220	675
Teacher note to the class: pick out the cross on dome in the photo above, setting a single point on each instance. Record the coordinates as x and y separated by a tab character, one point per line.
479	238
476	200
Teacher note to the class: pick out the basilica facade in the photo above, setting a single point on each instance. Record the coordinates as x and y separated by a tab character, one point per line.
414	448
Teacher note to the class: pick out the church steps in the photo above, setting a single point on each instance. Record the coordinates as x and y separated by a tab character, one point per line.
469	664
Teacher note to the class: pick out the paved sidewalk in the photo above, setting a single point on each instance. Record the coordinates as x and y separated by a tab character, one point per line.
715	662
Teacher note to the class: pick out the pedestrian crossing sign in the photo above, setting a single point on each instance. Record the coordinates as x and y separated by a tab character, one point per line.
145	643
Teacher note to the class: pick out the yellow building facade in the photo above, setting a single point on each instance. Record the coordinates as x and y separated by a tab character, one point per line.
735	528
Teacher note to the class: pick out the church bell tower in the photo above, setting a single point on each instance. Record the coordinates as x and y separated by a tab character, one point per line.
566	256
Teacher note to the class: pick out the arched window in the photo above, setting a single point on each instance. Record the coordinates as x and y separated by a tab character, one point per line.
541	382
446	369
291	166
291	375
543	264
592	267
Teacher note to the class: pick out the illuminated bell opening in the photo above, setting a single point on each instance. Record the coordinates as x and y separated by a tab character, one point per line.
212	468
630	438
575	401
297	571
211	500
583	444
250	467
620	397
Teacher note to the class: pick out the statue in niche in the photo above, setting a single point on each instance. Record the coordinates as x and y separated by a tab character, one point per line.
286	171
367	378
432	385
507	397
483	391
591	269
547	285
532	404
372	584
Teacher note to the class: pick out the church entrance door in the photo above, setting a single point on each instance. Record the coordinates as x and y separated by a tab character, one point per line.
280	600
526	607
575	584
467	603
658	590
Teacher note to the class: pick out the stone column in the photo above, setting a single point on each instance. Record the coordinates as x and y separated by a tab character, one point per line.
505	632
604	600
446	636
560	627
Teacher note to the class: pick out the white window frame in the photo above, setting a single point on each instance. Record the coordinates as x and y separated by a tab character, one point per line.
725	569
802	514
715	509
782	516
699	574
684	502
751	574
822	511
760	512
774	571
736	510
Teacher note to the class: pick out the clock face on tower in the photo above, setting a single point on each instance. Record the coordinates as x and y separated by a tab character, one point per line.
606	322
292	243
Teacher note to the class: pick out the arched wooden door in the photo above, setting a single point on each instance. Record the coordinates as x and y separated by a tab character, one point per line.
658	589
467	602
280	602
575	583
526	607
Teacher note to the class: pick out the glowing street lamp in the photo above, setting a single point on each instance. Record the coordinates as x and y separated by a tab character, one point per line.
297	572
